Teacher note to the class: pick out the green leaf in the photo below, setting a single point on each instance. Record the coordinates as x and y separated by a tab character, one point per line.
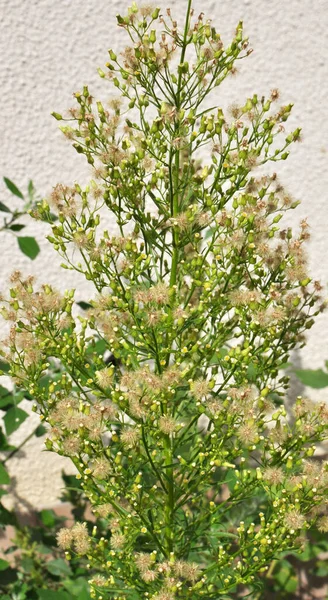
78	588
16	227
316	379
4	208
4	391
4	367
3	564
286	577
97	347
4	446
7	517
4	476
59	567
51	595
40	431
84	305
31	190
251	372
48	517
29	246
7	401
13	418
13	188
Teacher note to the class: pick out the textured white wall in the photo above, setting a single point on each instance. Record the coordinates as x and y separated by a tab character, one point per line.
50	49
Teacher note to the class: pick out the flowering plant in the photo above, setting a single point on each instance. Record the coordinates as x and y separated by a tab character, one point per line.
170	397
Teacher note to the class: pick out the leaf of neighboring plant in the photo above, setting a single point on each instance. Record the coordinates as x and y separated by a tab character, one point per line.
7	517
4	367
10	398
29	246
316	379
4	446
3	564
48	517
6	402
13	418
59	567
286	577
52	595
40	431
4	391
4	476
4	208
13	188
16	227
78	588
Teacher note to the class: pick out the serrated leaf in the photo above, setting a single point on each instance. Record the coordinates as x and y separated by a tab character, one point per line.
316	379
29	246
59	567
13	418
4	475
13	188
4	208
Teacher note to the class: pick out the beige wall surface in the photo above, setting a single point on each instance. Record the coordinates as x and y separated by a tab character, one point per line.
50	49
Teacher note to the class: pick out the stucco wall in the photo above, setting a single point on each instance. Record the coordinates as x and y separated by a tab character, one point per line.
50	49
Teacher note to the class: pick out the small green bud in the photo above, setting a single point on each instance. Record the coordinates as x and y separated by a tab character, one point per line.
112	55
155	13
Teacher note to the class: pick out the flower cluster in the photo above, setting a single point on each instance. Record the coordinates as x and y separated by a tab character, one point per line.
169	395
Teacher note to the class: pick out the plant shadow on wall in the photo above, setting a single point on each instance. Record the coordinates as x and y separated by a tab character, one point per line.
200	298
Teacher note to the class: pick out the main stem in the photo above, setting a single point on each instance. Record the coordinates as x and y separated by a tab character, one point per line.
169	507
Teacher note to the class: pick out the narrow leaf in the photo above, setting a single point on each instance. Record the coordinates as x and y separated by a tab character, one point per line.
84	305
16	227
4	208
29	246
31	190
13	188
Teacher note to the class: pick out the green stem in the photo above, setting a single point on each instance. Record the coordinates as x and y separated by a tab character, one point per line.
169	507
